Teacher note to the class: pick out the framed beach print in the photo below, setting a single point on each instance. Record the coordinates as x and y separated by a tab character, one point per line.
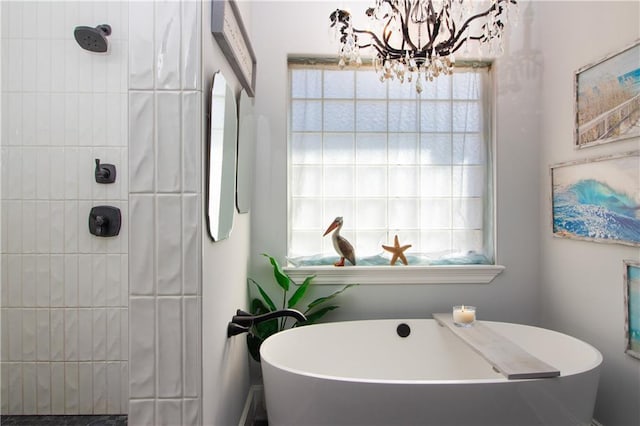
632	307
598	199
607	98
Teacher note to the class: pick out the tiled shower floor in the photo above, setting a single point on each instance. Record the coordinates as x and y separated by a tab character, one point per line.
63	420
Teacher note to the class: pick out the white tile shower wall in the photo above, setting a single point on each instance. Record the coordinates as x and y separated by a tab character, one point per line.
165	140
64	292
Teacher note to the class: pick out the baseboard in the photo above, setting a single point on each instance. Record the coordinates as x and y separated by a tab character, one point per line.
253	407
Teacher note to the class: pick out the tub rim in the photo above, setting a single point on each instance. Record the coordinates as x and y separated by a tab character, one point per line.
502	379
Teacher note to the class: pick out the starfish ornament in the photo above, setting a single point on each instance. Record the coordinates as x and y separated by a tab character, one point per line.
398	251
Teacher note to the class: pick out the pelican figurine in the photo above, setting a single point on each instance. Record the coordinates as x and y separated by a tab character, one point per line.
342	246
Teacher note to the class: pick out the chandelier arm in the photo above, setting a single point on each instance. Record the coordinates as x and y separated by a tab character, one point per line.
376	41
473	18
462	42
383	49
436	30
405	35
432	27
405	25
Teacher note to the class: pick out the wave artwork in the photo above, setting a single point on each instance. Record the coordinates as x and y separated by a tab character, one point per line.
598	200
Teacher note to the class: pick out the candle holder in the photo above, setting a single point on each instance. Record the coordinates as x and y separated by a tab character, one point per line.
464	316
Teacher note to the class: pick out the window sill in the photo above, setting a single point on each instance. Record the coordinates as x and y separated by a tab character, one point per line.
448	274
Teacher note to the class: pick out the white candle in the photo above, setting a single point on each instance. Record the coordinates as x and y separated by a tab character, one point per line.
464	315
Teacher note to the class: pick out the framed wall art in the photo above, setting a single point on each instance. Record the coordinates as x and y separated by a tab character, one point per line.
229	31
607	98
632	307
598	199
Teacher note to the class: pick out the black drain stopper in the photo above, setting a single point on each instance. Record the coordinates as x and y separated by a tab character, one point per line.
403	330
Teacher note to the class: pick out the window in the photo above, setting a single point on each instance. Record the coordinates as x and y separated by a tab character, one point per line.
390	162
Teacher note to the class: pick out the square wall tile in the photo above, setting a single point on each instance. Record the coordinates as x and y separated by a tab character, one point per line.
191	412
168	412
142	412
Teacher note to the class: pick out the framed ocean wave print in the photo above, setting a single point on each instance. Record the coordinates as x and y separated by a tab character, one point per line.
607	98
598	199
632	307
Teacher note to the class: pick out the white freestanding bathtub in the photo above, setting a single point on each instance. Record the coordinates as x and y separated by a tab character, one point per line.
364	373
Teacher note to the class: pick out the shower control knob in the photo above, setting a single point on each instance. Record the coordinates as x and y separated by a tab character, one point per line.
101	222
104	221
105	173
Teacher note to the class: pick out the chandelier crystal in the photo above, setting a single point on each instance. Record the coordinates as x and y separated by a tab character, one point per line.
416	39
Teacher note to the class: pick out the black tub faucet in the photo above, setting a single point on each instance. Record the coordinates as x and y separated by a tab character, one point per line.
243	321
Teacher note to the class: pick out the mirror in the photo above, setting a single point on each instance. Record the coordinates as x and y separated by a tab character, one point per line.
246	153
221	164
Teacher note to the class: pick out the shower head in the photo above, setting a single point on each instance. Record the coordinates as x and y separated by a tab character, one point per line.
93	39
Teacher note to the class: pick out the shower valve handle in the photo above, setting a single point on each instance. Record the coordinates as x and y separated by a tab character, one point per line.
102	222
105	173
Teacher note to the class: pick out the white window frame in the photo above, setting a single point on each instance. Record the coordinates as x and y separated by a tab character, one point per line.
411	274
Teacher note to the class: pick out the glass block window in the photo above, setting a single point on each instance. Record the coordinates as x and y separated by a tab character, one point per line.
390	162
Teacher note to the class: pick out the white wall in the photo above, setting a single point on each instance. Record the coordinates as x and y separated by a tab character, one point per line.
576	276
225	370
64	291
513	295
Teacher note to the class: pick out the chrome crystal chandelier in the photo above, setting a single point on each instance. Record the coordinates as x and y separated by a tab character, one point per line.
417	39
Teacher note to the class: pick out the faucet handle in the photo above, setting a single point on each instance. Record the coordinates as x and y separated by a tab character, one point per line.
243	319
233	329
242	313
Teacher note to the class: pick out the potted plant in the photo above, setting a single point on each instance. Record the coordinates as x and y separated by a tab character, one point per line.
314	310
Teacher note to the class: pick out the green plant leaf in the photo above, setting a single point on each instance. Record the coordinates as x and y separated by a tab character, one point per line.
266	328
265	296
300	292
258	307
282	279
316	315
253	344
321	300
